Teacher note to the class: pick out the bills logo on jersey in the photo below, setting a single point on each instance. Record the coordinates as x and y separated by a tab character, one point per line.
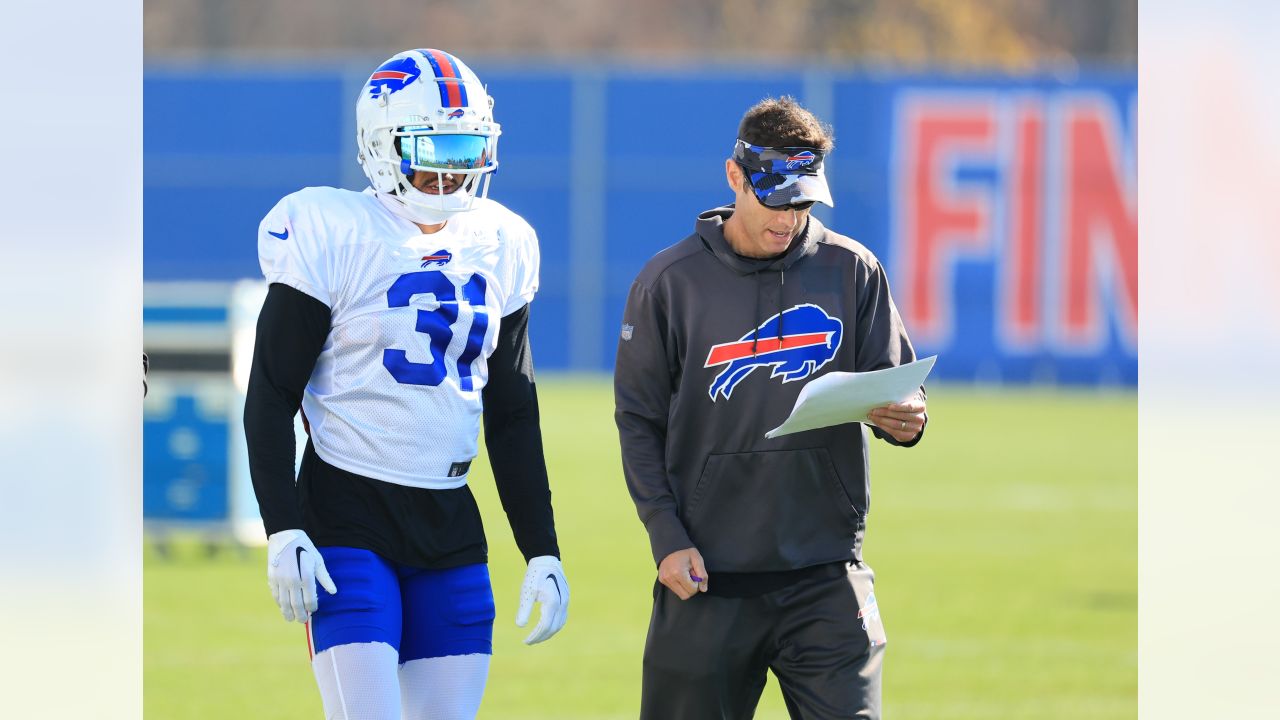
799	160
394	76
810	338
439	257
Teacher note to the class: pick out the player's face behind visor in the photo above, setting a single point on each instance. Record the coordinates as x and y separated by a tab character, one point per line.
441	164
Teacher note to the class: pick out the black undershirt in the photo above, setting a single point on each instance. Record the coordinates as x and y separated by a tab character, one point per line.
412	526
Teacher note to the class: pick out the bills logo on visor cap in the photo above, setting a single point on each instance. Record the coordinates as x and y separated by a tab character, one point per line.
393	76
800	159
809	340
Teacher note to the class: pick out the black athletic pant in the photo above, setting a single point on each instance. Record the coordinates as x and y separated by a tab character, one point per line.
706	657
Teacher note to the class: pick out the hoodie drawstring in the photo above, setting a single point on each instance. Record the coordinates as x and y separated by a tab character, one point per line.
782	284
755	334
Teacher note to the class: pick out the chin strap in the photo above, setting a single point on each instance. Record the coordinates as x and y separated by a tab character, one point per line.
413	214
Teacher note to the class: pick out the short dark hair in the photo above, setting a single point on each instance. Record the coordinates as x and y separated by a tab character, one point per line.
783	122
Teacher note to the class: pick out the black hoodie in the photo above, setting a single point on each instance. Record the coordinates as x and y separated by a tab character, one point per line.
703	371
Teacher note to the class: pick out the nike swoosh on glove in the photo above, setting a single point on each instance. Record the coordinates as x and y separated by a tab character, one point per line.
544	583
293	567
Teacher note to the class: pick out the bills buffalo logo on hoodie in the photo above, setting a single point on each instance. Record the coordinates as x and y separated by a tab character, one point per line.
793	343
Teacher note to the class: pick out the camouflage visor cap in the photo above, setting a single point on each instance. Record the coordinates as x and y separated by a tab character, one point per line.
782	176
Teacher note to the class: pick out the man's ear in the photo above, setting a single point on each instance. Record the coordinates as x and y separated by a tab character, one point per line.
733	175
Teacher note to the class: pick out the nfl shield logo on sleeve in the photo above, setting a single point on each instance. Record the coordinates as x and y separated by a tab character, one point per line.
627	330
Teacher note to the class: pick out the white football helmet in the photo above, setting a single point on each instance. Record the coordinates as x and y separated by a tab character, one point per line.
425	111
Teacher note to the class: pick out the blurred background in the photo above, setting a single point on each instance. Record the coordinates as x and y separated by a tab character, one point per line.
985	151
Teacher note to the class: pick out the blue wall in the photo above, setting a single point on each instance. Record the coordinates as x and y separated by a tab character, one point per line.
610	165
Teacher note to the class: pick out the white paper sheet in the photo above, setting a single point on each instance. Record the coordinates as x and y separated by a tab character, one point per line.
842	397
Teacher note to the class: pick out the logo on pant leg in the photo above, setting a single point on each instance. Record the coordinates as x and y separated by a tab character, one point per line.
870	612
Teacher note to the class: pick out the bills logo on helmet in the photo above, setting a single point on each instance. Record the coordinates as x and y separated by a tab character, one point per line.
439	257
799	160
393	76
811	339
457	113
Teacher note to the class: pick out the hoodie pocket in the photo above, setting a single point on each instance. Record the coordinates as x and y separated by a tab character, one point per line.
768	511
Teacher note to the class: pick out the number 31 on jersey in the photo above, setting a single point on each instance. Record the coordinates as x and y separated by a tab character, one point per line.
438	325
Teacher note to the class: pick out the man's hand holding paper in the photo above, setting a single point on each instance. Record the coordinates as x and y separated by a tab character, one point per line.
890	399
902	420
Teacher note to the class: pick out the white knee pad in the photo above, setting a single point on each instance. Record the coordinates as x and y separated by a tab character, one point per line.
359	681
443	688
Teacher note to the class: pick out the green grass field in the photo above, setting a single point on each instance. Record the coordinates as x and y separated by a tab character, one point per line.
1005	550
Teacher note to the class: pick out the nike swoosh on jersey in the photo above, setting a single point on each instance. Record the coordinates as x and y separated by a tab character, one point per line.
282	236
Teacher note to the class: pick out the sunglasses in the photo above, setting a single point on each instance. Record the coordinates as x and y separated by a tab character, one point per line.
762	183
800	206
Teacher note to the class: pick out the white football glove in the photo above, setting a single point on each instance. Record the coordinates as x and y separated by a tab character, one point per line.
293	567
544	582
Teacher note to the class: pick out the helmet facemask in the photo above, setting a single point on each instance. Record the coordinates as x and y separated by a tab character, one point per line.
470	158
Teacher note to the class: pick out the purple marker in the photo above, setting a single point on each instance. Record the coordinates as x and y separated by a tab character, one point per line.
695	578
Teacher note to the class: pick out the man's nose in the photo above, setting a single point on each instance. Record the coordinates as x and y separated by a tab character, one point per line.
788	215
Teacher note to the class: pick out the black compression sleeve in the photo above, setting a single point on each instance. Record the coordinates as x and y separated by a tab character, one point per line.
292	329
514	438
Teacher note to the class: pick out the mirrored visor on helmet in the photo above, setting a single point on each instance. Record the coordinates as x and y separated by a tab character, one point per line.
444	152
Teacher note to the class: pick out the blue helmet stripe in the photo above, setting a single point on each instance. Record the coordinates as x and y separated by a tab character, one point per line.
444	66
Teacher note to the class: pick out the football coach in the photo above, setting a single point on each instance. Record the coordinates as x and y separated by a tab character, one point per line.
758	542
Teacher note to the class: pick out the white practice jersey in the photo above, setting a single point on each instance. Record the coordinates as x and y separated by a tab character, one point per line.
395	394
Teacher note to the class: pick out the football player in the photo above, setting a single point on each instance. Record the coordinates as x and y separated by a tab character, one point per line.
397	319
